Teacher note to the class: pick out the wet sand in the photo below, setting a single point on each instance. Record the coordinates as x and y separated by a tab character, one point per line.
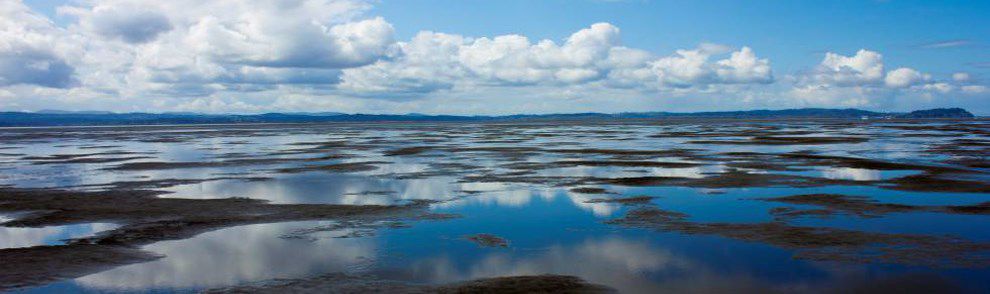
127	177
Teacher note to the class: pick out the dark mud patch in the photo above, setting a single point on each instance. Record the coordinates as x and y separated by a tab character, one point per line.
855	205
162	165
810	159
965	152
25	267
94	160
730	179
342	283
590	190
100	146
67	158
928	182
824	244
618	163
866	207
349	167
785	140
487	240
373	193
627	152
146	218
526	284
165	183
408	151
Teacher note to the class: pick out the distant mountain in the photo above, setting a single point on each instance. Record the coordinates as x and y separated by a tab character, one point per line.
51	111
69	118
938	113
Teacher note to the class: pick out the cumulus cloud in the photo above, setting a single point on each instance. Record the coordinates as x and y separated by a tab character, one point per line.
904	77
975	89
591	56
195	48
128	24
436	61
27	65
961	77
689	68
29	49
863	68
513	59
332	55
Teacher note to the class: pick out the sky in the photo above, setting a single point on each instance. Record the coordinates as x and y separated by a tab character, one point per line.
492	57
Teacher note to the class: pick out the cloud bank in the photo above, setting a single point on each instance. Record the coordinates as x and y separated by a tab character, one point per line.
333	55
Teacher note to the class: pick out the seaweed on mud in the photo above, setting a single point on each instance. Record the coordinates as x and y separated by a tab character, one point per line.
822	243
343	283
487	240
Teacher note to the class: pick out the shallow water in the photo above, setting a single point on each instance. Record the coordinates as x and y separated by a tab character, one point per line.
515	181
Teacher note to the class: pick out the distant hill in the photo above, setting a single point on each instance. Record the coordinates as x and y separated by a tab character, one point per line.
68	118
938	113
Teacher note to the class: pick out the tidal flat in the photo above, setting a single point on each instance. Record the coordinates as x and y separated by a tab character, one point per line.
677	205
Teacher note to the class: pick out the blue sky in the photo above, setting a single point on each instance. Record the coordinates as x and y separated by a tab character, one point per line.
258	56
795	33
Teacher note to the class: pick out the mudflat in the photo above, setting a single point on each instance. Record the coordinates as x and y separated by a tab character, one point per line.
551	206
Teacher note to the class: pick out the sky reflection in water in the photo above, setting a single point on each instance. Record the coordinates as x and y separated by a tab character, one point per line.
551	229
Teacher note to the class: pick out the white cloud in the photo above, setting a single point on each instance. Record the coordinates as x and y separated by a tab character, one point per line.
512	59
195	48
975	89
938	87
689	68
130	24
904	77
436	61
866	67
961	77
331	55
591	56
30	49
